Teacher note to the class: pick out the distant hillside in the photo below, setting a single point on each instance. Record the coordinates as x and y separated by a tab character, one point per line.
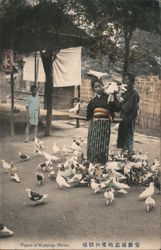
145	57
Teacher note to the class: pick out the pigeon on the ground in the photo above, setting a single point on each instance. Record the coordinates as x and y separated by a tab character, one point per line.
49	157
13	174
6	166
56	149
52	174
36	198
4	231
39	144
149	191
150	203
23	157
43	166
61	181
66	150
109	195
39	177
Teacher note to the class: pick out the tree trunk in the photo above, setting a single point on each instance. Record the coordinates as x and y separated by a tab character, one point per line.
127	37
47	64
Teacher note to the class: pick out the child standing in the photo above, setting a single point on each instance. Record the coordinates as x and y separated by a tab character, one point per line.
33	109
100	112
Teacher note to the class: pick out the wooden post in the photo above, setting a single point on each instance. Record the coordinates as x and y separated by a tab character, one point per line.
12	104
35	69
77	120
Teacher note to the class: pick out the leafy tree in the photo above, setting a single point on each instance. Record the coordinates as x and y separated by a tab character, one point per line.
43	26
125	16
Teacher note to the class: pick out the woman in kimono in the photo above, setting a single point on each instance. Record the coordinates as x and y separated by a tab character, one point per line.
100	113
129	109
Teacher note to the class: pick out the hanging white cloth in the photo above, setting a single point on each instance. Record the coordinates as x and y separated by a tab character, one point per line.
67	67
29	68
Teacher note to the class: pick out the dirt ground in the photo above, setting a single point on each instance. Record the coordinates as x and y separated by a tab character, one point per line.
74	218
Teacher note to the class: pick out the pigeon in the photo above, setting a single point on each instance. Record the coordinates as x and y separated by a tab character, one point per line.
76	108
117	185
15	177
149	191
52	174
97	74
150	203
112	88
109	195
6	166
56	150
36	150
122	191
155	165
49	157
75	178
40	178
61	181
43	166
66	150
96	187
75	146
4	231
39	144
23	157
36	198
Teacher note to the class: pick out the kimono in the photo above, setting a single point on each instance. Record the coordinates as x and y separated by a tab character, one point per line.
33	106
129	110
100	113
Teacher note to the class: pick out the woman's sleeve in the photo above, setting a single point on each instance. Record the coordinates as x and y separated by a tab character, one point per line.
131	104
89	110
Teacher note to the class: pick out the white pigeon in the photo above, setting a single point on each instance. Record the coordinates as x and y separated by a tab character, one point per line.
122	191
96	187
75	146
13	174
50	157
36	198
56	149
96	73
109	195
150	203
5	232
75	109
77	177
43	166
52	174
62	183
23	157
37	150
155	165
117	185
66	150
39	177
6	166
15	177
149	191
39	143
112	88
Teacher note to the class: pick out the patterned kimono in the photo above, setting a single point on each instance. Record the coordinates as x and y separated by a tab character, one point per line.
33	105
100	113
